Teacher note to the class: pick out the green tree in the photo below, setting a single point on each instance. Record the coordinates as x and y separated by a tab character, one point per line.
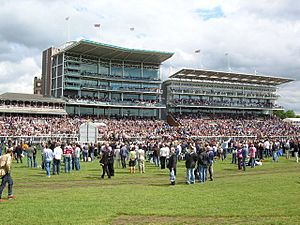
290	114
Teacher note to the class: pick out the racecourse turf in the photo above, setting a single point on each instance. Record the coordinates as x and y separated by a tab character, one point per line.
267	194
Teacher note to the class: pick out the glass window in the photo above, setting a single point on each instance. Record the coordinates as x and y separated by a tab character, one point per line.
151	73
148	112
104	68
115	112
116	85
116	69
88	94
59	71
115	96
132	70
131	112
86	111
150	97
90	68
131	96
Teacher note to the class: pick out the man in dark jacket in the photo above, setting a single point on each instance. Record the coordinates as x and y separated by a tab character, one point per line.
104	160
190	163
203	165
172	165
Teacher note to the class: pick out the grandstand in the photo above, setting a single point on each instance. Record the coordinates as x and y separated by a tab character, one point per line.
105	80
30	104
213	92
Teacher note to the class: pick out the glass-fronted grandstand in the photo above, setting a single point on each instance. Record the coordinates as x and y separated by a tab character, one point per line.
104	80
205	91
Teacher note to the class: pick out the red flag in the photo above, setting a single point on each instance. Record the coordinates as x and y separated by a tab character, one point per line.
97	25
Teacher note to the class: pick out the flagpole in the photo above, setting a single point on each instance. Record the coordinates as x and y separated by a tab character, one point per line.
68	28
198	51
97	26
228	62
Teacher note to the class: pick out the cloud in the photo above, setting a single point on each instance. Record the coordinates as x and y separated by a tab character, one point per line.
258	35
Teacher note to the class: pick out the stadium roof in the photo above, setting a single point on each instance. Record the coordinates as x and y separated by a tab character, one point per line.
29	97
229	77
106	51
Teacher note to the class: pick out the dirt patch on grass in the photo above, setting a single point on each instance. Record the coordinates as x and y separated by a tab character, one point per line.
126	219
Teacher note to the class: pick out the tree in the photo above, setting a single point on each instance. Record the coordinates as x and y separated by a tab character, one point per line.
288	114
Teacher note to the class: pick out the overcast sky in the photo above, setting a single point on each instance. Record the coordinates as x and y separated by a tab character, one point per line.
258	35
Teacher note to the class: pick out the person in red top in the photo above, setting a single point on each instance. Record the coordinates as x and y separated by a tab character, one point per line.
252	154
68	152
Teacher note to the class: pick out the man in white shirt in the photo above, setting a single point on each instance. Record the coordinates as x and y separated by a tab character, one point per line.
57	153
141	159
164	153
48	157
77	157
267	148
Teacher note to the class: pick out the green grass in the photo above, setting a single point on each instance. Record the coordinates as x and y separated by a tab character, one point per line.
268	194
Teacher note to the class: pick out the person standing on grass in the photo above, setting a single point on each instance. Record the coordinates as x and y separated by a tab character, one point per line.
77	157
111	160
252	154
190	164
57	159
240	155
275	149
68	152
172	165
117	155
48	157
124	155
211	156
30	151
141	159
104	158
164	153
18	151
296	150
34	156
132	160
85	152
203	162
5	169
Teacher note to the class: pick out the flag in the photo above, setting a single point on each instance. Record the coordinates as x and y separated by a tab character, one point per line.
67	18
197	51
131	29
97	25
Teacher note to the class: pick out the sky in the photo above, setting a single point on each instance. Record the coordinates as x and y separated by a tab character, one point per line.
257	36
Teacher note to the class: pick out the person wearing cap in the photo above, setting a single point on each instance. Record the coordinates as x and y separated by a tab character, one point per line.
5	169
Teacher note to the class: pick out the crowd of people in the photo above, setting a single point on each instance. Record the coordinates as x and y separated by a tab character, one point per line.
206	102
120	129
199	155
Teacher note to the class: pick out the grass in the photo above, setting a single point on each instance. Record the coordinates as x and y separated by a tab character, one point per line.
268	194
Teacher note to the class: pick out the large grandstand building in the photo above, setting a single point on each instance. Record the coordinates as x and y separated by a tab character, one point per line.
105	80
205	91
